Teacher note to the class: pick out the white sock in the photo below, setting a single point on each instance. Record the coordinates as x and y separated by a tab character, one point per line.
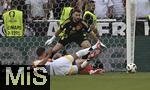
95	46
84	64
83	52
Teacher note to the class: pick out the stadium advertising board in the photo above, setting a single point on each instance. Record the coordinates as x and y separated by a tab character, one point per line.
113	28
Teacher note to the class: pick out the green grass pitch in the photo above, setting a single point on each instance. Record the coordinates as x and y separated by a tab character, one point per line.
107	81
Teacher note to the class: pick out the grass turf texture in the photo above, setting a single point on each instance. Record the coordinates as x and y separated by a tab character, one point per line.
108	81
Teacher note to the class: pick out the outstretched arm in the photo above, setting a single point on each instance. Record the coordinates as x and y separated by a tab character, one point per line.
61	29
49	41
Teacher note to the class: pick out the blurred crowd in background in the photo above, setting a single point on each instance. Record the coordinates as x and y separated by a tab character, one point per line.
52	9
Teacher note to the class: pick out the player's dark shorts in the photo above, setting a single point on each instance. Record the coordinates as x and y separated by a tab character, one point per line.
149	22
0	17
77	40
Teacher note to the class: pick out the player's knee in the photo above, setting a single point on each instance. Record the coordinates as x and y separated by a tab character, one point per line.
54	50
86	44
57	47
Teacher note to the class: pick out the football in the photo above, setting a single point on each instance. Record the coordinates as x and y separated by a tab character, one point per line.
131	68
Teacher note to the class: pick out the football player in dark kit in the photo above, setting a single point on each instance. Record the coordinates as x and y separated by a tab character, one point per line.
74	29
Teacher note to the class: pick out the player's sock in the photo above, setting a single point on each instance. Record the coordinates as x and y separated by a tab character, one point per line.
90	49
97	45
86	56
84	52
84	64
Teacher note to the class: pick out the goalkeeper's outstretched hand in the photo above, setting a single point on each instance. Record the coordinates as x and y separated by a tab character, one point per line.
49	41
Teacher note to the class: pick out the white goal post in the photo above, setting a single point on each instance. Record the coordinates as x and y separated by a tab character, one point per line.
130	31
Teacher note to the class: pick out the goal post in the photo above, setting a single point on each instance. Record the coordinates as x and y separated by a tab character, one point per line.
130	31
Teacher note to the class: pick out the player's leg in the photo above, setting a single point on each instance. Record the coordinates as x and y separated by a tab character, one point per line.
60	45
82	41
97	68
96	71
56	48
87	69
66	61
77	69
85	44
85	51
73	69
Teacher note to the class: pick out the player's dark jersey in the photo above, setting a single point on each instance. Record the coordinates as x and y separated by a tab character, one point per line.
71	28
73	31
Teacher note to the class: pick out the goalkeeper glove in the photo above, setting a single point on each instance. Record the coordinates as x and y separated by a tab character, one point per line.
49	41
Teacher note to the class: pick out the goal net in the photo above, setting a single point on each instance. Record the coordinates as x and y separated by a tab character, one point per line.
22	50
